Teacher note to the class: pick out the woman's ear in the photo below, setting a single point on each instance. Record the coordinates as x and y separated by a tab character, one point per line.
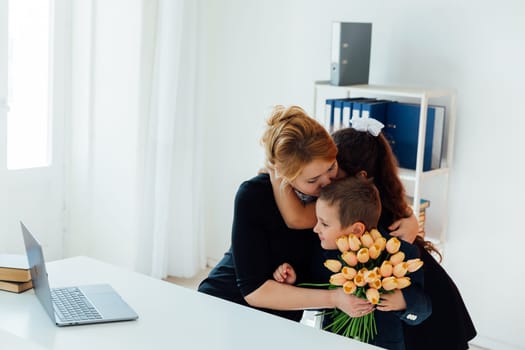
276	172
358	228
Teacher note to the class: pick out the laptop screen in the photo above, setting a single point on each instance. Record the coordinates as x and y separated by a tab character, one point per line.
35	258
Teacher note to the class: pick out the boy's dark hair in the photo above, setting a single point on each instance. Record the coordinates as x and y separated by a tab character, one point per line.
357	198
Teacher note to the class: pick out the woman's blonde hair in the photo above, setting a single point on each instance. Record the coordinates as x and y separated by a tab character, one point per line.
293	139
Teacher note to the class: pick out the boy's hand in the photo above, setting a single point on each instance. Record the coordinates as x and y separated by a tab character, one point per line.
392	301
285	274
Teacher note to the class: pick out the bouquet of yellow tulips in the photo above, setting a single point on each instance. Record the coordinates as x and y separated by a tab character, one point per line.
367	267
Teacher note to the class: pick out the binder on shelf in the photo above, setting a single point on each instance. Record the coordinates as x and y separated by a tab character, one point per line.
350	59
338	114
348	106
329	113
357	106
401	129
375	109
346	113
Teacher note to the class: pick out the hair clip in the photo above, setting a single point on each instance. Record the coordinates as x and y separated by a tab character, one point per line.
370	125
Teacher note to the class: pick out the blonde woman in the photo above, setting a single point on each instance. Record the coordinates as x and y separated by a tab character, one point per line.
301	153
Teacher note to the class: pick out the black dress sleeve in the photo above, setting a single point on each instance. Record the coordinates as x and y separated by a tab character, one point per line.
419	306
249	239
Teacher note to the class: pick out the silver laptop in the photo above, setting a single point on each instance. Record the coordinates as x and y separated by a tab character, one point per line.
76	305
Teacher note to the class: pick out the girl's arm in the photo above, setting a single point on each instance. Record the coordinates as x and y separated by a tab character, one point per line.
296	215
406	228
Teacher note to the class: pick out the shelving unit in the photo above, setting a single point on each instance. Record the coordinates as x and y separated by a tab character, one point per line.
411	178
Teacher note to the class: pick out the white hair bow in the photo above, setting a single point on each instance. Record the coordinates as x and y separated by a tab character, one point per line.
371	125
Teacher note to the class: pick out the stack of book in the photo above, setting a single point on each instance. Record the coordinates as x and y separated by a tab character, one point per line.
15	275
423	205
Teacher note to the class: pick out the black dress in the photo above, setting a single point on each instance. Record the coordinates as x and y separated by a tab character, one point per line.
261	242
449	326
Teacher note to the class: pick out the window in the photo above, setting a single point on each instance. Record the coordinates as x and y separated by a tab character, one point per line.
29	85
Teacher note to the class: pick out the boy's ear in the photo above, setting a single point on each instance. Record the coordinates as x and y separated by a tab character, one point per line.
358	228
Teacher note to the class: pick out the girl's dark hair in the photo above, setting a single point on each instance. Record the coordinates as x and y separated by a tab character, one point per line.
360	150
357	151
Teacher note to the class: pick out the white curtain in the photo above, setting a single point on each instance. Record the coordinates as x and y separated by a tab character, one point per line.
171	228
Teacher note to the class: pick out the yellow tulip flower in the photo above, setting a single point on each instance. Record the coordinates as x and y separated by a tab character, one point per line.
375	234
397	258
333	265
381	242
363	255
393	245
349	287
337	279
371	275
403	282
354	242
414	264
359	279
342	244
389	283
400	269
374	250
366	240
349	272
350	258
372	295
375	283
386	269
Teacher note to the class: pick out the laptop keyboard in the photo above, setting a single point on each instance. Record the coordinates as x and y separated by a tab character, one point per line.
72	305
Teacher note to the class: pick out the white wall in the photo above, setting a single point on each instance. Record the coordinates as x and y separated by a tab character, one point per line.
260	53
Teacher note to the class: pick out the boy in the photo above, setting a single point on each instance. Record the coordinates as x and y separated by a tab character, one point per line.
352	205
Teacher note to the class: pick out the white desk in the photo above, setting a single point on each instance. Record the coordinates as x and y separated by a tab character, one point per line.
170	316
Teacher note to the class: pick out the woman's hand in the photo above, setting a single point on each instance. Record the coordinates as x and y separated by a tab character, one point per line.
352	305
406	229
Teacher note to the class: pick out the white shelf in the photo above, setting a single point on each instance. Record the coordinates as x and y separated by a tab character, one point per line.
410	175
423	96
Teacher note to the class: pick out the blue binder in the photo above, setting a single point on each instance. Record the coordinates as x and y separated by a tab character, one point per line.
375	109
348	107
401	129
329	113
